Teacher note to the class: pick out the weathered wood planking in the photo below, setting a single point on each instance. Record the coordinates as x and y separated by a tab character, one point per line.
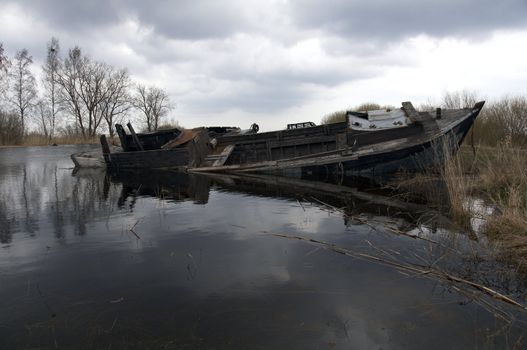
425	119
190	154
337	148
223	156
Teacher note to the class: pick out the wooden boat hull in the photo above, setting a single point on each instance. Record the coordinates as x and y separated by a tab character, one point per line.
153	159
429	154
149	141
365	154
191	154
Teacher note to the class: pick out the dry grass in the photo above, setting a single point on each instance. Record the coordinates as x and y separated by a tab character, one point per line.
459	187
498	176
503	181
35	139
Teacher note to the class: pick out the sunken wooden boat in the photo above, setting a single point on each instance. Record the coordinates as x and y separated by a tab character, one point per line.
174	148
165	149
148	141
367	144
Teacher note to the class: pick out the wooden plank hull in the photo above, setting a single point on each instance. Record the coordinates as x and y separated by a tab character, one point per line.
192	154
414	148
153	159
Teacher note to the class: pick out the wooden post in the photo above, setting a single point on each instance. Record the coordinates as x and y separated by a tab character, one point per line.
105	146
134	137
105	150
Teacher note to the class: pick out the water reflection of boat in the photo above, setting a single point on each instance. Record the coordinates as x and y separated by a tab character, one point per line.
126	187
169	185
352	200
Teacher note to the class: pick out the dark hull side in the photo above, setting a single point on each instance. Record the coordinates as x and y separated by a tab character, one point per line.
154	159
149	141
420	151
341	150
191	153
411	159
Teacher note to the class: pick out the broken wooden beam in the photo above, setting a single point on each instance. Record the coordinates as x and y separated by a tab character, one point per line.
134	137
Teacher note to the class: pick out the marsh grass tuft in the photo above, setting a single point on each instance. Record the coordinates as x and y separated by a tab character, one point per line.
503	181
496	175
459	186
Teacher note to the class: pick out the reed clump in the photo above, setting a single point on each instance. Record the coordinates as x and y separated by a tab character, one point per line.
459	186
498	175
503	182
11	131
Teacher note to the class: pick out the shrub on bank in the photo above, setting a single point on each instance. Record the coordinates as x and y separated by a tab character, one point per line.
11	132
340	116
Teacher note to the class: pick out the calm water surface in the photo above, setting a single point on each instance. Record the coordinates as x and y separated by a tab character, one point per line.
90	260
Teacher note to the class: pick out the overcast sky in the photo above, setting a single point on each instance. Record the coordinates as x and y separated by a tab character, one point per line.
235	62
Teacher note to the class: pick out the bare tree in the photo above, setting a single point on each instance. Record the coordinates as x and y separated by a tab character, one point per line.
69	81
117	102
4	66
510	113
44	118
81	82
50	71
93	91
3	58
459	99
154	104
11	132
23	90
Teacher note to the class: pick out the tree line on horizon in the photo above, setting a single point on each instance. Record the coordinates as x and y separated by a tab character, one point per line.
76	96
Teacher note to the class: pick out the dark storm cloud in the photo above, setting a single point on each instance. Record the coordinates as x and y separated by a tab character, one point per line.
184	19
73	15
179	19
254	98
387	19
380	19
